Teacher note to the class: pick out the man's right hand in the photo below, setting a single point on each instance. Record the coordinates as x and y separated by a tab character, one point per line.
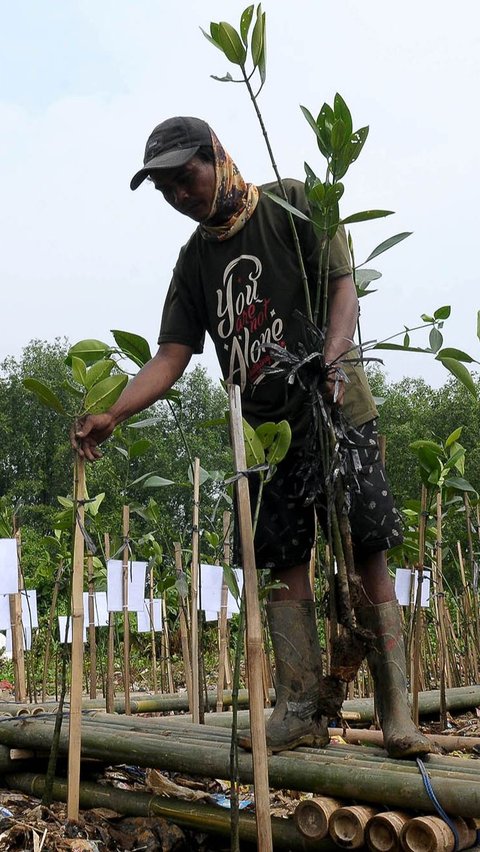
90	431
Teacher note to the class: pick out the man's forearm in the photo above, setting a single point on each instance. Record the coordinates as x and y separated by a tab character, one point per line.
342	317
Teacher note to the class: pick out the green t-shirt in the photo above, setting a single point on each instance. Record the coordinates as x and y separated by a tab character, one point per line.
243	291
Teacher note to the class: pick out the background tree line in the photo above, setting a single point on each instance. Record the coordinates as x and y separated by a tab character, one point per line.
35	455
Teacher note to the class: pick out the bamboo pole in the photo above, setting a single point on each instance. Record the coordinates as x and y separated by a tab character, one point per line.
152	635
110	688
126	620
184	626
194	594
254	643
91	628
417	614
395	784
166	646
75	719
200	817
222	622
18	653
51	617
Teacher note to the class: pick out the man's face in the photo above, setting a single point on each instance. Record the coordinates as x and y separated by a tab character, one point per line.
189	189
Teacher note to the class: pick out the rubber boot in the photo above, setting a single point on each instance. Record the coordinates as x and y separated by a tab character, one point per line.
296	718
386	661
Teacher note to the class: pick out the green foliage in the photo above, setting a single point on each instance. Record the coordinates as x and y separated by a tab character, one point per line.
242	45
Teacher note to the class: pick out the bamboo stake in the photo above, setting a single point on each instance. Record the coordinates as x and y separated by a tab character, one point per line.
417	615
254	629
166	646
194	595
48	640
110	690
152	635
222	622
18	653
75	725
91	628
126	621
440	600
184	627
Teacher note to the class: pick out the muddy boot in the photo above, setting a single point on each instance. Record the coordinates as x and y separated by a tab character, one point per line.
296	718
386	661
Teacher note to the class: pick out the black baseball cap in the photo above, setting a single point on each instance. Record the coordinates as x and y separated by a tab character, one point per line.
172	144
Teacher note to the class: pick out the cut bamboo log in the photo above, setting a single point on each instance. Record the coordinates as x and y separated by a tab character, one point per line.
312	815
433	834
254	644
382	832
199	816
75	722
346	825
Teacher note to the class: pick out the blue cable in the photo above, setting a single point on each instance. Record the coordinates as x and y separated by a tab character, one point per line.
436	803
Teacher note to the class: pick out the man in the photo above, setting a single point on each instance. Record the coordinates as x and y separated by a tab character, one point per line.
239	278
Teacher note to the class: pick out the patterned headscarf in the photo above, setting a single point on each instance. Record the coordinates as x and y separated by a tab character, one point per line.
234	200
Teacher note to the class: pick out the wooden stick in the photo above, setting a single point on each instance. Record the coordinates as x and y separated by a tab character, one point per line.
417	614
126	621
18	653
91	628
254	629
194	595
75	718
166	647
152	635
110	687
222	621
184	627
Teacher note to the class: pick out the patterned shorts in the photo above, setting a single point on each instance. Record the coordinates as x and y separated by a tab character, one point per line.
286	527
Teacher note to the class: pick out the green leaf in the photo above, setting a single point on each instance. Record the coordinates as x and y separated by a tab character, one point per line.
98	371
276	439
342	111
313	124
316	193
363	277
427	445
456	354
93	506
89	351
254	451
203	475
213	38
435	339
398	346
333	194
227	78
66	502
454	436
123	452
139	448
461	373
406	340
286	205
262	62
258	37
231	43
387	244
459	484
157	482
140	479
442	313
133	346
426	318
79	371
338	135
44	394
478	324
103	395
365	216
231	582
245	21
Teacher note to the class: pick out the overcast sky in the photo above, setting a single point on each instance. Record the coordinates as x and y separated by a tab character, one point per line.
83	82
